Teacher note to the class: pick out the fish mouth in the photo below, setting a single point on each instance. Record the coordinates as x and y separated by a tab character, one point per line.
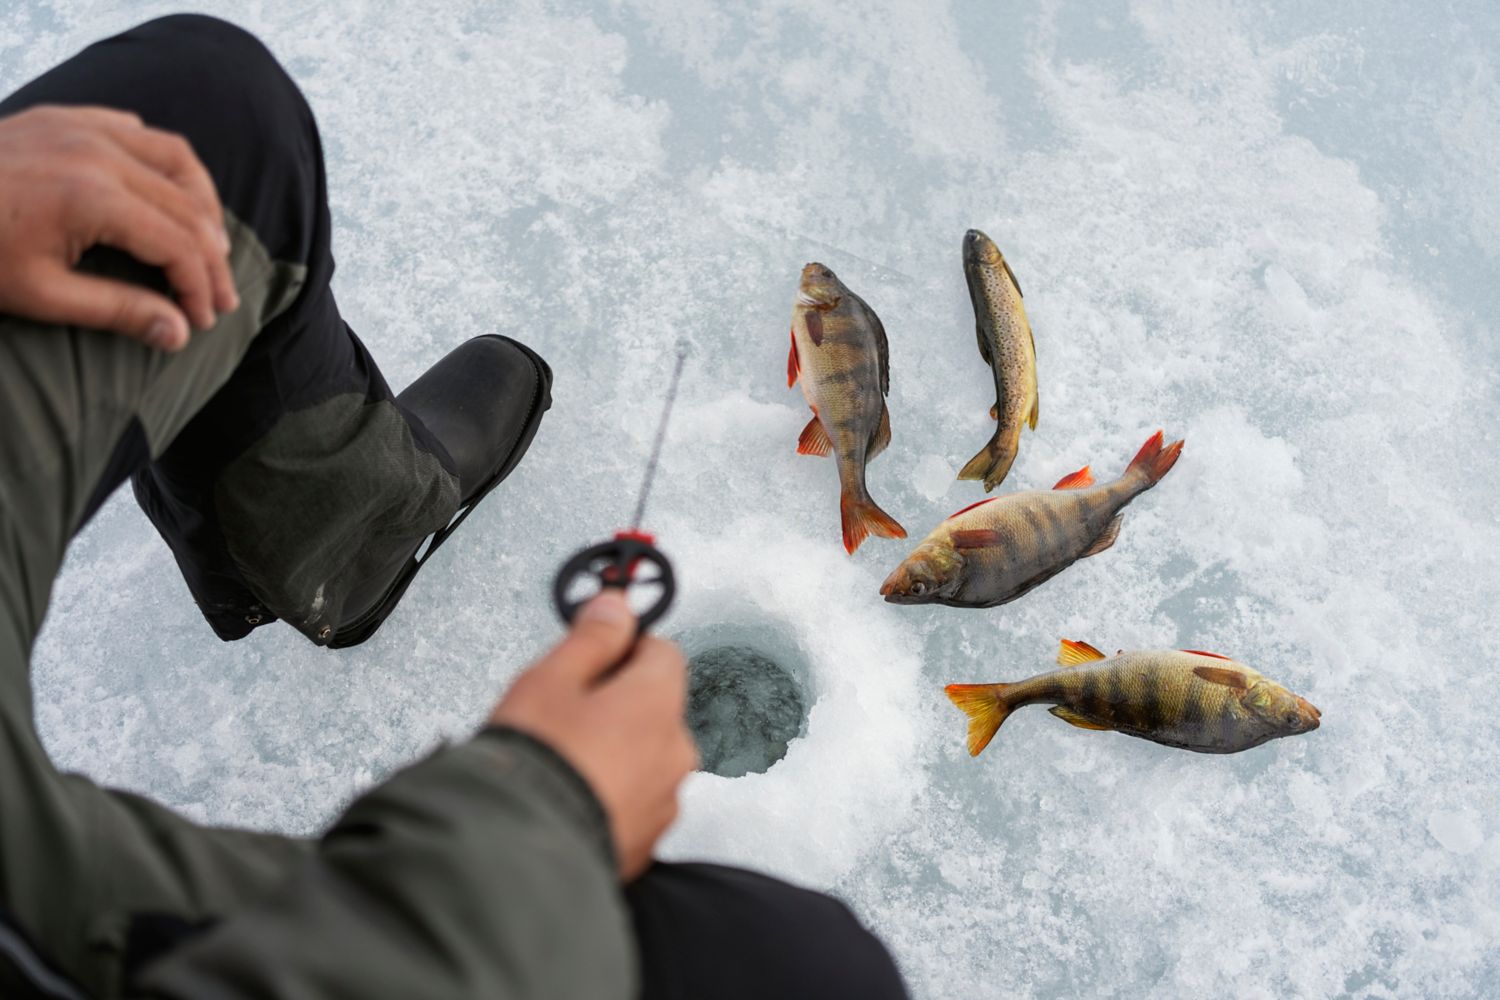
1311	717
979	247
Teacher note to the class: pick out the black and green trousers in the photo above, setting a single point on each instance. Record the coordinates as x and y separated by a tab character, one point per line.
276	463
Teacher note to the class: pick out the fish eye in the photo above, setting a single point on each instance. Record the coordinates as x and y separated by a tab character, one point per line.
919	588
1292	718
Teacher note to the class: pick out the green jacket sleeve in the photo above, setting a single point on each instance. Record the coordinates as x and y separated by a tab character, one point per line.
485	870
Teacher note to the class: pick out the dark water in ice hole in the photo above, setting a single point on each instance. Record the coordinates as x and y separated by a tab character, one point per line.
743	709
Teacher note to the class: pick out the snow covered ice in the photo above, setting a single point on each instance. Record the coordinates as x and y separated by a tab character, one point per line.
1273	229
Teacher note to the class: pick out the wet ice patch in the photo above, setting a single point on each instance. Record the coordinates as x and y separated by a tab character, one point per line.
1458	830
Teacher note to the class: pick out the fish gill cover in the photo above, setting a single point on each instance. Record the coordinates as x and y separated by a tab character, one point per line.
1273	229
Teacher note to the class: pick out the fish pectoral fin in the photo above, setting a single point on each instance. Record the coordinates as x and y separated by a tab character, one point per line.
974	538
814	439
793	365
1071	653
1036	403
1076	480
1072	718
984	345
1106	537
1220	675
814	321
881	439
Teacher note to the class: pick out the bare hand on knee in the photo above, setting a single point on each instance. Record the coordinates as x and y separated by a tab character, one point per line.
72	178
624	732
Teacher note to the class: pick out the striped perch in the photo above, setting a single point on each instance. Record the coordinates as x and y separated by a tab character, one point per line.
998	549
1189	699
839	354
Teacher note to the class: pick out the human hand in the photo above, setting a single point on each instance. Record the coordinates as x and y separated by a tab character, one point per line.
71	178
625	733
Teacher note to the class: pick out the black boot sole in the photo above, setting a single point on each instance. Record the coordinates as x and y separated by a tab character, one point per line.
361	628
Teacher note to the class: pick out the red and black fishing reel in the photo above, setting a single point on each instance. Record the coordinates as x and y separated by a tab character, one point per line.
629	562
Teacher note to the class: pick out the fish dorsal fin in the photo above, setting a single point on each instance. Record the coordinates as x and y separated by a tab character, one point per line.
1072	718
974	538
1076	480
1200	652
1229	678
971	506
1106	538
793	365
882	345
1071	653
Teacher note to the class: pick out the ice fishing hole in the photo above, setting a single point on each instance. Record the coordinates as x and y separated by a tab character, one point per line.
747	698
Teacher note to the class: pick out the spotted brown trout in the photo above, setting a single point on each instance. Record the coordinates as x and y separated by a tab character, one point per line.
1006	344
994	551
840	356
1184	698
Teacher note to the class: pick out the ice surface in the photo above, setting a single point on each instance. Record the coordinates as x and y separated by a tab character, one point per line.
1272	228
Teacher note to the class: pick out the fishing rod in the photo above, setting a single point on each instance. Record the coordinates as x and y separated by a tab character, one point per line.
625	562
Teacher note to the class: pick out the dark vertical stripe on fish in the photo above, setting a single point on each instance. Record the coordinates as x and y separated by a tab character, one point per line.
1056	528
1152	708
1039	540
1109	695
1089	696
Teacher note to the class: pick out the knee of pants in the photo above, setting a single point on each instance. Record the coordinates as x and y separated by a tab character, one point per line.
219	87
707	930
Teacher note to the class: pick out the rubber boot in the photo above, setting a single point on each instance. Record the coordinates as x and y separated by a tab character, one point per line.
483	403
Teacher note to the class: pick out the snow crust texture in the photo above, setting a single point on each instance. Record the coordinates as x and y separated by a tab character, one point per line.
1272	229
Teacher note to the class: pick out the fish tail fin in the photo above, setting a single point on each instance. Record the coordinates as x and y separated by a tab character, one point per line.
1154	461
986	706
862	517
993	463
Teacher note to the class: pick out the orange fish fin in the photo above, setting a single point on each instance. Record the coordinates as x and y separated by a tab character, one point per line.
1201	652
1072	718
1076	480
1036	402
1154	460
995	412
971	506
986	707
1229	678
1071	653
814	326
862	518
814	439
1106	537
974	538
793	366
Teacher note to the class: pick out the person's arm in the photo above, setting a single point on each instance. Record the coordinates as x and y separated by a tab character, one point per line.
490	869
